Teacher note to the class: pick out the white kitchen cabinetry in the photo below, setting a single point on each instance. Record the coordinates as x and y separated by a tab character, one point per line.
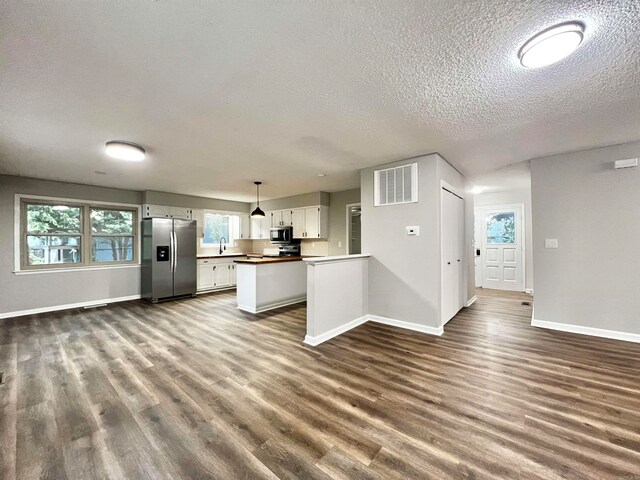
216	273
162	211
310	222
245	227
260	227
281	218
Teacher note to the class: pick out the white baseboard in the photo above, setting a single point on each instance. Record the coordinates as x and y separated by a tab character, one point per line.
313	341
68	306
416	327
471	301
271	306
529	291
594	332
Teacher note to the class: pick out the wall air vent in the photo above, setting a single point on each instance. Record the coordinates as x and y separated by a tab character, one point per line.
393	186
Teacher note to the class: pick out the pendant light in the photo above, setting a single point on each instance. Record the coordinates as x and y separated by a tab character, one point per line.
258	211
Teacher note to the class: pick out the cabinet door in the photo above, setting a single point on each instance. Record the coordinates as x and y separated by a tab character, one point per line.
286	218
234	276
312	222
276	219
298	222
245	227
205	276
222	274
256	227
265	225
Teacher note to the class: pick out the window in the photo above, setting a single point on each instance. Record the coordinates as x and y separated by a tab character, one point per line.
220	228
501	228
58	235
393	186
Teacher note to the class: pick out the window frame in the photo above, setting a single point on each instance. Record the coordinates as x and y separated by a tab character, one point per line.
21	247
230	241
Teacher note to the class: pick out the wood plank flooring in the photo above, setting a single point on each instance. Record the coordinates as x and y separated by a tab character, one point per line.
198	389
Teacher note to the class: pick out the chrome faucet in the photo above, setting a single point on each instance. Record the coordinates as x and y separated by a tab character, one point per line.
225	247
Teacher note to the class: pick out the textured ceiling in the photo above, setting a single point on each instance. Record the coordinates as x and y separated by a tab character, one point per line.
223	93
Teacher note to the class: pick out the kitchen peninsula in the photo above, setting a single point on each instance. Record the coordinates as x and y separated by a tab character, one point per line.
270	282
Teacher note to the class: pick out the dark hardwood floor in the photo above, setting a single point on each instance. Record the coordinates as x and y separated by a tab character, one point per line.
197	389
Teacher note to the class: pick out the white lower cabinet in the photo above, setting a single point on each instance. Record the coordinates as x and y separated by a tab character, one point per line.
215	273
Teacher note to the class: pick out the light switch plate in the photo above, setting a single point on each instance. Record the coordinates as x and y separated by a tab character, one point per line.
550	243
339	244
413	231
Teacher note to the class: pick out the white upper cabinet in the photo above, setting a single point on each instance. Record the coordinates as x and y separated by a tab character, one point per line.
310	222
260	227
245	226
281	218
162	211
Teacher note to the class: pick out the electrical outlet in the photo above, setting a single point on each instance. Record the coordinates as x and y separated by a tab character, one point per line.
339	244
550	243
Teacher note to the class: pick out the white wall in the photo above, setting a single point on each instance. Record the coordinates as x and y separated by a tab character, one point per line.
593	278
512	197
405	271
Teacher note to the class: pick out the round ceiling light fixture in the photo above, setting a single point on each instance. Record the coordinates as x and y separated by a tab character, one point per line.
125	151
551	45
477	190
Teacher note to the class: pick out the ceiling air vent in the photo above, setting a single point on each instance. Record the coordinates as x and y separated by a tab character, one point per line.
393	186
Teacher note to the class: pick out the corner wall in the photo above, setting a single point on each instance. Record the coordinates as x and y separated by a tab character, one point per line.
405	271
592	279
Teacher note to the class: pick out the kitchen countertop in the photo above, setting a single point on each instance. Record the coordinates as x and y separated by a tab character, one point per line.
224	255
263	260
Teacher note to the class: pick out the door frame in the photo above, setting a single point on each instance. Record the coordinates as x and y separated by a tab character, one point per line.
460	194
348	222
521	231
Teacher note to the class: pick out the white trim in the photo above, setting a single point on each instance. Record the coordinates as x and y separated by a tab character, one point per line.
416	327
68	306
528	290
271	306
594	332
314	341
74	269
348	234
471	301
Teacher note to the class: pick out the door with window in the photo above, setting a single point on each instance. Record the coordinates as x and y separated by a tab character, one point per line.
502	247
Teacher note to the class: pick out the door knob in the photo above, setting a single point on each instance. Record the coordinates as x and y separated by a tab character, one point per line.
448	263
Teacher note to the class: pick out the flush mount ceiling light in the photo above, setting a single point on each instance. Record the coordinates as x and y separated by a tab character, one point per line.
125	151
551	45
258	211
477	190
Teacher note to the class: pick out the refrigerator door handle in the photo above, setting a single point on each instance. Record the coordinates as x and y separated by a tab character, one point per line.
172	253
175	251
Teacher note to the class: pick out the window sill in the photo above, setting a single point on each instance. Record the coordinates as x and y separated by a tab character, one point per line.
74	269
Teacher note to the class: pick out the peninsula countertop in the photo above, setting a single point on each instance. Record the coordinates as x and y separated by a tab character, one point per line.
263	260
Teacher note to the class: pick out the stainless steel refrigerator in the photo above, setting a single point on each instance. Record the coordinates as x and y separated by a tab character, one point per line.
168	258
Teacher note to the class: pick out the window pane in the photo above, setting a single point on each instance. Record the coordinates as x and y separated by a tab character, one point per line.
49	250
111	221
111	249
53	219
501	228
216	227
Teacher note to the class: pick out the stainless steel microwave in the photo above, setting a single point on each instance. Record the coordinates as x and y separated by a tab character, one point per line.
281	235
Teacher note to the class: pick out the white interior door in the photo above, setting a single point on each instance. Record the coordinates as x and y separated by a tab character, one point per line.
453	259
502	247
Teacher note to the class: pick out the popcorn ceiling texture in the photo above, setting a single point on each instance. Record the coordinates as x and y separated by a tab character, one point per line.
222	93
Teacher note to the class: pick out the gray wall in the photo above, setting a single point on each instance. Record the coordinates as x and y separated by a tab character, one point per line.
512	197
593	278
404	271
338	219
296	201
39	290
189	201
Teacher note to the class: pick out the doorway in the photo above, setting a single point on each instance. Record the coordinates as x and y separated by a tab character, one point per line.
499	241
354	212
